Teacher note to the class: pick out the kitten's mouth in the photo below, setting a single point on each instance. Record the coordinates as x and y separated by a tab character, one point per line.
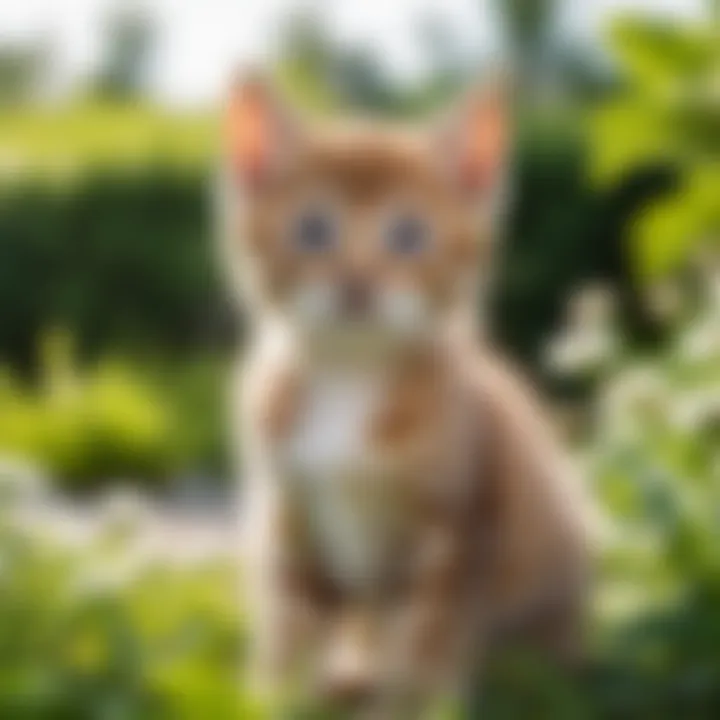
356	300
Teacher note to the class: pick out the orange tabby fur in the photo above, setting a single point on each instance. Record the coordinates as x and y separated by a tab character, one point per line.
436	456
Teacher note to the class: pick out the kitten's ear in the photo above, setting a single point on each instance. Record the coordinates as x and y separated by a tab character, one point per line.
473	141
258	130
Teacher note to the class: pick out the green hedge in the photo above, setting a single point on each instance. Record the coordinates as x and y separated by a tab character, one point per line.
122	260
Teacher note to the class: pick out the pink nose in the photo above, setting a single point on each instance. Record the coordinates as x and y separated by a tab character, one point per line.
356	296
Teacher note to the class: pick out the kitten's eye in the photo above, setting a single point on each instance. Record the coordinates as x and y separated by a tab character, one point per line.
314	231
407	235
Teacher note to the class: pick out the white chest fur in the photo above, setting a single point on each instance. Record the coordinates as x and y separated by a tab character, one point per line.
337	477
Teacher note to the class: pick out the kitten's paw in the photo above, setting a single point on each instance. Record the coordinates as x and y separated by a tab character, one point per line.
347	681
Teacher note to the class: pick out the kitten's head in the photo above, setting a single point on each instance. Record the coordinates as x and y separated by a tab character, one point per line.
362	232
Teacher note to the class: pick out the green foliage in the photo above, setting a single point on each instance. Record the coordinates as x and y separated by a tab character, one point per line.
549	249
668	113
124	260
67	141
196	393
86	428
112	421
100	633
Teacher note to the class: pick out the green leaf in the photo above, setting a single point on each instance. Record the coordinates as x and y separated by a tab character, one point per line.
625	136
669	228
657	54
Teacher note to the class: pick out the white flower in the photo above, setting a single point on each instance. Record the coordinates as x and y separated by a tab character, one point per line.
588	340
580	351
591	307
631	398
697	409
20	479
702	340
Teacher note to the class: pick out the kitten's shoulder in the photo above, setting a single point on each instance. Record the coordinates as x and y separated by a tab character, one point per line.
536	468
503	391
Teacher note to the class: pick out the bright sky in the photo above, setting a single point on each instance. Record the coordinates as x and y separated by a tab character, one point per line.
200	41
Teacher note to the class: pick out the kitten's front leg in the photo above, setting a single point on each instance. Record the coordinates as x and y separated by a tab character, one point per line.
283	605
433	632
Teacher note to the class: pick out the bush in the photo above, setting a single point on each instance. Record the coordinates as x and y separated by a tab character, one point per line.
561	232
123	260
655	455
87	428
100	632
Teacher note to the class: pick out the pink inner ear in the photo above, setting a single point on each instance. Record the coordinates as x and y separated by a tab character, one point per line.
249	132
484	144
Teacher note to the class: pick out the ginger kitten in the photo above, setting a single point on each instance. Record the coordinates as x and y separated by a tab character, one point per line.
405	501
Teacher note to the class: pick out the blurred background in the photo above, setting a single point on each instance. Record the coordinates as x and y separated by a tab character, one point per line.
117	586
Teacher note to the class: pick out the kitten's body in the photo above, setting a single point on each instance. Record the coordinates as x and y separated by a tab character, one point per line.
379	484
405	498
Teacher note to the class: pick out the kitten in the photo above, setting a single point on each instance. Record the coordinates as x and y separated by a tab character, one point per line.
405	500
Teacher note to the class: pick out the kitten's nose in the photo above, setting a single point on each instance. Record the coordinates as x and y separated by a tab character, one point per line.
356	296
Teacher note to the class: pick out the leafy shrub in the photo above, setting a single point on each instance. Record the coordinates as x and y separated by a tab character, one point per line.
86	428
103	631
125	261
196	390
655	458
66	140
667	112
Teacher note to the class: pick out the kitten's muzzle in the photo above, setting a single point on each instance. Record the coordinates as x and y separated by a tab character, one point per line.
355	297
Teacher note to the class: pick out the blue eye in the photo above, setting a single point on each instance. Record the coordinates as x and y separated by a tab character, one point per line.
407	235
314	231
